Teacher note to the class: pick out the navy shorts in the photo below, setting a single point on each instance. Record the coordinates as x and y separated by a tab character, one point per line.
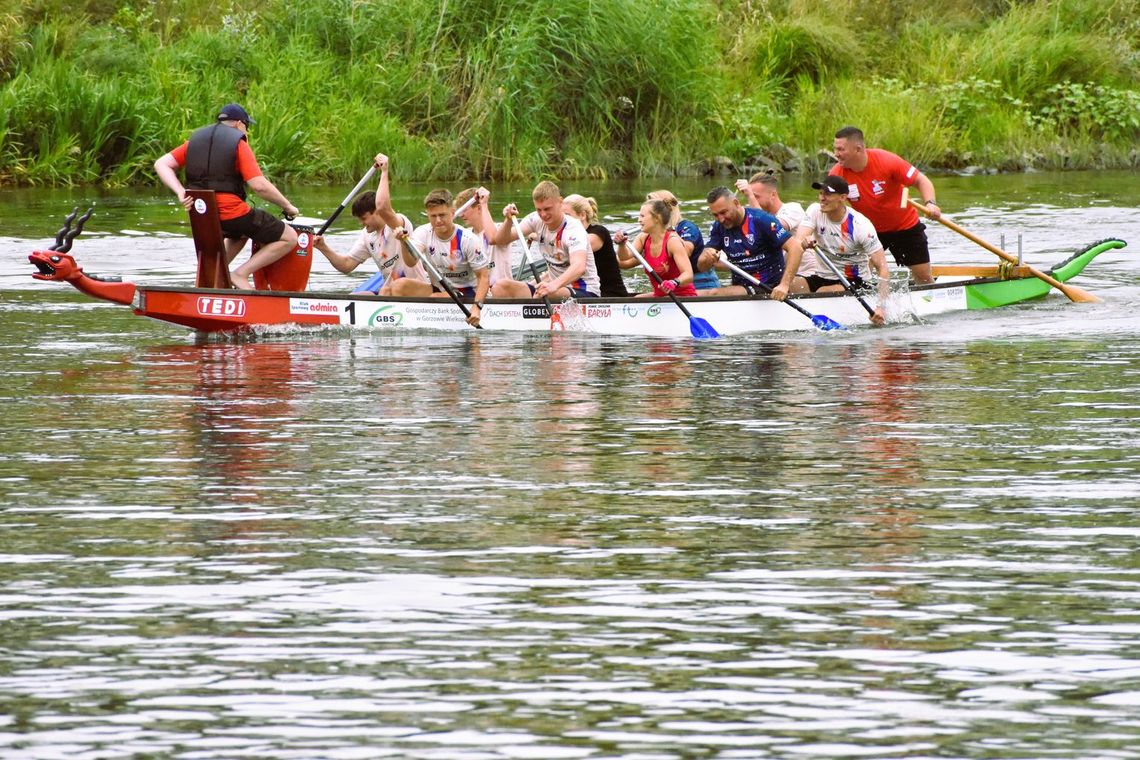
258	225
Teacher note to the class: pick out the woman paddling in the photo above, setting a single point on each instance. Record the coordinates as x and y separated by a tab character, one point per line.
662	249
585	210
690	236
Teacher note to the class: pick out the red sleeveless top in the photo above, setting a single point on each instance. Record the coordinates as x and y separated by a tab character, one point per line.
665	267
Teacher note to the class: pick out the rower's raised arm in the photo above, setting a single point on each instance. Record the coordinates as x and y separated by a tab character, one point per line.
490	229
384	195
506	231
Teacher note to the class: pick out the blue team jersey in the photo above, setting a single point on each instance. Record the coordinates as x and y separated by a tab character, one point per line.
691	233
756	246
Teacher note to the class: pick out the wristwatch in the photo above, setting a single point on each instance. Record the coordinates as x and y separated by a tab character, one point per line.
479	304
930	202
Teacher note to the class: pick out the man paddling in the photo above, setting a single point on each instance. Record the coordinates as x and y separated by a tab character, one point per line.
762	190
378	239
218	157
755	241
562	241
456	252
878	179
848	240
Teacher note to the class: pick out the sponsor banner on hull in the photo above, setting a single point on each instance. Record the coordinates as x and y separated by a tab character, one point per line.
221	306
314	306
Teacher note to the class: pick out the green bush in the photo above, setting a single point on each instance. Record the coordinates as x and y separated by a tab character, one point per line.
95	90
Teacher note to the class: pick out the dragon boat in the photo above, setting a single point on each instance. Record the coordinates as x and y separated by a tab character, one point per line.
214	306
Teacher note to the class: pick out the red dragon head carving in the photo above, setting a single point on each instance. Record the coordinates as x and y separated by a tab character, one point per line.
55	266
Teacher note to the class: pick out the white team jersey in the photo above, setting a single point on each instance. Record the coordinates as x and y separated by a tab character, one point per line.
457	258
501	257
791	215
848	243
384	248
556	246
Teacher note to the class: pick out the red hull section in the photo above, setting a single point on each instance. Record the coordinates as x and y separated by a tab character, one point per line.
227	311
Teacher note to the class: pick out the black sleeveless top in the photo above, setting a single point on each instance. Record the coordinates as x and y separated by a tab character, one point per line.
211	160
605	259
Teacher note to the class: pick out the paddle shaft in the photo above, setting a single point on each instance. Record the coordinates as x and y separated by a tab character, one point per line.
533	268
657	278
1072	292
846	283
724	260
348	199
442	282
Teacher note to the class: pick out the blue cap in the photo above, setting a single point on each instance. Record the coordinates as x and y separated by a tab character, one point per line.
234	112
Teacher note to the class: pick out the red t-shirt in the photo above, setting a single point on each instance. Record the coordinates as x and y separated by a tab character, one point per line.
877	191
230	206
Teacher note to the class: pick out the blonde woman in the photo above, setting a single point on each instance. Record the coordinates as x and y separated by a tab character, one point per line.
663	251
585	210
690	236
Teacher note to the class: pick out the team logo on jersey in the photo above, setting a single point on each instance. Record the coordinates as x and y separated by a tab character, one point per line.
878	186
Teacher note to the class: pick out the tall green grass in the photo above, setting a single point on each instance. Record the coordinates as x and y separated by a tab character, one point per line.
93	91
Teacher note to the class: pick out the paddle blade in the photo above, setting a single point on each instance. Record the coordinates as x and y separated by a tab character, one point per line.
701	329
825	323
1077	295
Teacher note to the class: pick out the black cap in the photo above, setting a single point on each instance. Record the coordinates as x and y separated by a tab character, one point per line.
832	184
234	112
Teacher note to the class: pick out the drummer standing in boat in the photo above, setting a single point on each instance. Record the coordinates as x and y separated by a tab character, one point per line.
878	179
218	157
753	240
848	240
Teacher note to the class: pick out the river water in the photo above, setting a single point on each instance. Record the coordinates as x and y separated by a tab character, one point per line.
913	542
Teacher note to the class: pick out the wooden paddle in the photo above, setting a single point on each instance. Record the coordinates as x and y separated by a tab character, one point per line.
698	327
1072	292
443	283
821	321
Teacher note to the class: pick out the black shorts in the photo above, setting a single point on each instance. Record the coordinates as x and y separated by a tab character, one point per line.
815	282
908	246
258	225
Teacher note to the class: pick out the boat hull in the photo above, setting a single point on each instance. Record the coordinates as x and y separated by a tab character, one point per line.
216	310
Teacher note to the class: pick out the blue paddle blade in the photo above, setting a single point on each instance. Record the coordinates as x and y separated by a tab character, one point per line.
826	323
701	329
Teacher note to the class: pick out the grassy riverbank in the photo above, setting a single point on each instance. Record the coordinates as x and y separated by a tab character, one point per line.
94	91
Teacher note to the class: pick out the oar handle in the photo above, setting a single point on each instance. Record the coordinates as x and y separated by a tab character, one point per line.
1071	291
347	199
657	278
442	282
